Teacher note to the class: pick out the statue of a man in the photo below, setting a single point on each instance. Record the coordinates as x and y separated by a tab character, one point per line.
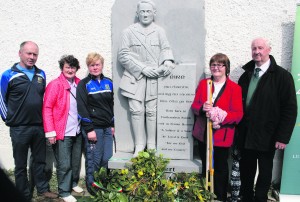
145	54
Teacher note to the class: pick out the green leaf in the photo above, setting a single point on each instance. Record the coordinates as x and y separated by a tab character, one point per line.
145	154
122	197
112	196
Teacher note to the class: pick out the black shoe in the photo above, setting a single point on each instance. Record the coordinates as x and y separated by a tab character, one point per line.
49	194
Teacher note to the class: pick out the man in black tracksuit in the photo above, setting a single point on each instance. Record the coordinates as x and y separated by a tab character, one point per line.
270	107
21	99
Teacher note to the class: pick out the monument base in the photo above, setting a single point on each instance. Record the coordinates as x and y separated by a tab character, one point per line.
119	160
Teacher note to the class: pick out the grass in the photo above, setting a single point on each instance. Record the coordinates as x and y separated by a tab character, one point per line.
81	197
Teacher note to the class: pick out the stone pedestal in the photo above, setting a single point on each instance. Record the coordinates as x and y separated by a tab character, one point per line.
120	159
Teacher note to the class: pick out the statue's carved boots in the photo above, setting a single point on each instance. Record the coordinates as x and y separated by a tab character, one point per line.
151	132
138	127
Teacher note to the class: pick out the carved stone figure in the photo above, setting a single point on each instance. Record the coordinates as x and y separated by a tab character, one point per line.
146	55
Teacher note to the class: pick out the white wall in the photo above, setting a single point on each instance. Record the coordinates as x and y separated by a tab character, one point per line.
81	26
231	26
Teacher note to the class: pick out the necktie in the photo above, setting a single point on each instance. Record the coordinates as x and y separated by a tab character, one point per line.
256	72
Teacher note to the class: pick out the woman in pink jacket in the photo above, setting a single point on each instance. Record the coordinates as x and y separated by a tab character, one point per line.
225	112
62	127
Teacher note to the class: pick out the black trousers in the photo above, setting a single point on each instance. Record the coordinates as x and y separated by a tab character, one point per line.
248	163
23	138
8	190
220	159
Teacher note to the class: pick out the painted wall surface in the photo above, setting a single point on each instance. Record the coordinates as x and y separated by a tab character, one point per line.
231	26
78	27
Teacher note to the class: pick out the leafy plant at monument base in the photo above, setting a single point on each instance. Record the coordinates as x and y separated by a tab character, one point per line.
144	179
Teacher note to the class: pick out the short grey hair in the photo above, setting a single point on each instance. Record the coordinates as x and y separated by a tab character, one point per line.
267	42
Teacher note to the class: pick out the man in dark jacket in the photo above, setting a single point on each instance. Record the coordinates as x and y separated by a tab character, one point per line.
270	107
21	99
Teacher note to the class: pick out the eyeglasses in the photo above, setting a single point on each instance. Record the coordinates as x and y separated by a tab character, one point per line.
217	65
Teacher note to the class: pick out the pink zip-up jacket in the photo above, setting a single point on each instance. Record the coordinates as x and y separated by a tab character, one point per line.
56	106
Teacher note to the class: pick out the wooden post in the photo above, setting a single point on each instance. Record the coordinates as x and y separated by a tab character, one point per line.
209	145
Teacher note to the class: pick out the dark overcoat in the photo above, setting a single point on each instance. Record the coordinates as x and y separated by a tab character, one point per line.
272	112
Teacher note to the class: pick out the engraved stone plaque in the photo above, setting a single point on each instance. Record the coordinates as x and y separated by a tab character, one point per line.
174	116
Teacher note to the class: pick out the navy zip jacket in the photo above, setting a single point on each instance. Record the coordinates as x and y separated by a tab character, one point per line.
21	100
95	103
272	112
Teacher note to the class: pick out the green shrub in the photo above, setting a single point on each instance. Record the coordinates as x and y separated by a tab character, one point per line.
144	179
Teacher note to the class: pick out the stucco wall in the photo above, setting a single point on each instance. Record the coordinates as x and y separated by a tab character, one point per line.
78	27
232	25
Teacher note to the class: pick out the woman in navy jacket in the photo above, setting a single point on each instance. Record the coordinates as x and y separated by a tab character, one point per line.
95	108
225	112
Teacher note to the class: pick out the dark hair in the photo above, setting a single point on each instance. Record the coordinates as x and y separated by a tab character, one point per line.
221	58
70	59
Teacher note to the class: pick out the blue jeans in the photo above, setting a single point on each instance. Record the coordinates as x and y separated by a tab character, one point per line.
68	157
97	154
23	138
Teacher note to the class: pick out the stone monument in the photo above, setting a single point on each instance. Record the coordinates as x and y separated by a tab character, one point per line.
145	55
181	25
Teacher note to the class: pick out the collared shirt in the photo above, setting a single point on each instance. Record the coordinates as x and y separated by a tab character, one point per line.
264	67
72	126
